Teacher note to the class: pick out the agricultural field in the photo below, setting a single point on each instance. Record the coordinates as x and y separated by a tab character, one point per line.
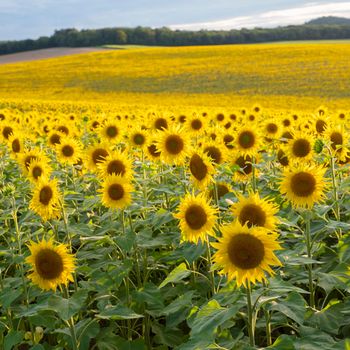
176	198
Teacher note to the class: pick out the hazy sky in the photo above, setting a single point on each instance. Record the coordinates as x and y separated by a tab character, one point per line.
21	19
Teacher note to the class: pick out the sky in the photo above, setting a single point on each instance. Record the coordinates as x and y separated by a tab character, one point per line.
23	19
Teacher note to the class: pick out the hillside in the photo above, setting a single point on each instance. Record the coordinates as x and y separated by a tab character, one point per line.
278	74
330	20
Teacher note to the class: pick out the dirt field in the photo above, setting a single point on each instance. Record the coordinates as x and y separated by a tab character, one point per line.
46	53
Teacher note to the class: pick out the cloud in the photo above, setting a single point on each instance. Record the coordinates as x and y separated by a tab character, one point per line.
295	15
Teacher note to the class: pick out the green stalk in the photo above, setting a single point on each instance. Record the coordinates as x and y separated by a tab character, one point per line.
211	273
335	195
250	321
71	325
309	254
253	175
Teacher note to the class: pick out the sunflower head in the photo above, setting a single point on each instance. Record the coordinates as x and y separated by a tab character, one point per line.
245	254
201	168
51	264
303	185
197	218
255	211
116	192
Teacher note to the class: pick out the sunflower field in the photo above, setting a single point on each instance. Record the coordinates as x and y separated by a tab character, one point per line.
147	202
173	229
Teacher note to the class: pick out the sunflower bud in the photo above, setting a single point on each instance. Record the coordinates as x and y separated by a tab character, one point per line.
318	146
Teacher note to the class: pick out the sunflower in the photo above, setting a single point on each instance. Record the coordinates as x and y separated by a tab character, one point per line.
195	124
201	168
245	254
219	190
138	138
228	139
271	130
51	264
282	157
29	155
152	151
303	185
6	131
216	151
245	164
159	122
69	150
116	192
197	218
54	138
247	141
46	199
95	154
16	143
116	163
300	147
173	145
339	140
111	131
38	170
255	211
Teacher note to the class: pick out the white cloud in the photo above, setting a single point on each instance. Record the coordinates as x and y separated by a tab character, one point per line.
296	15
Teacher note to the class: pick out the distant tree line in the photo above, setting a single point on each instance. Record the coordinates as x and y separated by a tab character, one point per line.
167	37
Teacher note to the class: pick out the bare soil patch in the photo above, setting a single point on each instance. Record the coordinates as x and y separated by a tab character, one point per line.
46	53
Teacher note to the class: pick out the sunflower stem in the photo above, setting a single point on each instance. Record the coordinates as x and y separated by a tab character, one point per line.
70	323
309	254
253	175
211	272
250	321
335	195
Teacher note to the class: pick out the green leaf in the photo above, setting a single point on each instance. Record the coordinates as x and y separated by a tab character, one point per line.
66	308
8	296
12	338
183	301
211	316
329	319
283	342
118	312
37	347
293	306
179	273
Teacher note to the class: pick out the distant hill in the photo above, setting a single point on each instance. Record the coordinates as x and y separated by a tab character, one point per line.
330	20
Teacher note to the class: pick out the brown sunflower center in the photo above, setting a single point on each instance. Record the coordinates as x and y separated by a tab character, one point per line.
196	124
222	190
320	126
336	139
152	149
55	139
198	168
245	164
98	155
246	139
49	264
245	251
116	167
7	131
95	124
303	184
161	124
16	146
287	135
301	148
28	159
37	171
195	217
214	153
252	214
174	144
271	128
116	191
220	117
45	195
63	129
112	131
282	158
67	150
227	140
286	122
139	139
